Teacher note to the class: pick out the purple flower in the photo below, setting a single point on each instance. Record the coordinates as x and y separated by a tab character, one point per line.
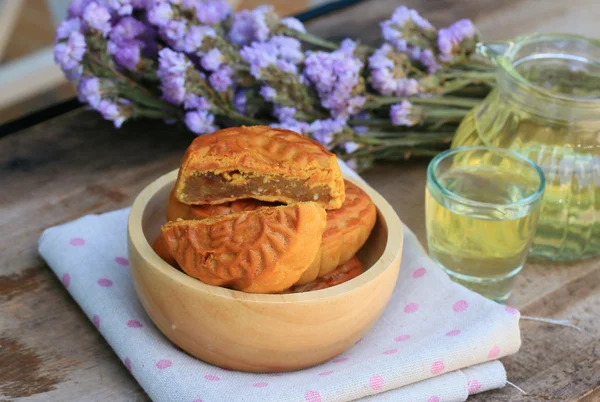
259	55
250	25
76	8
287	48
268	93
193	101
194	38
400	114
301	127
127	28
284	113
67	27
324	130
350	146
404	24
159	13
121	7
208	12
89	91
450	39
111	111
427	58
387	77
212	60
97	18
222	79
68	55
334	76
174	33
172	69
200	122
360	129
239	101
293	23
127	53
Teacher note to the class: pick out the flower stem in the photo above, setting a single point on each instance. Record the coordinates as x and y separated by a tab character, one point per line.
240	118
377	101
310	38
469	74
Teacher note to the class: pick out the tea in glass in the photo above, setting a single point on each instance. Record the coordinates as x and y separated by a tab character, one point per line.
482	207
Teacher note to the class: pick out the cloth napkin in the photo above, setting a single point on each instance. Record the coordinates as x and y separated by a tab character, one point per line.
435	342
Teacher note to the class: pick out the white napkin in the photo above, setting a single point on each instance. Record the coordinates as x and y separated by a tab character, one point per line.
436	341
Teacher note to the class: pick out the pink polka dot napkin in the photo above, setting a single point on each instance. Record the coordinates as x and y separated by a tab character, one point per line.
436	341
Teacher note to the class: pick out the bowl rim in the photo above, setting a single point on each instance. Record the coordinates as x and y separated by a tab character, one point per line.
137	239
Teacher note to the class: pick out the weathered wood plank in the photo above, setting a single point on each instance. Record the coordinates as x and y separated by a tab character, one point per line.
79	164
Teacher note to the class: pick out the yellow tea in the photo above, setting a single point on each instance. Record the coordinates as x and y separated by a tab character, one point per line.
476	228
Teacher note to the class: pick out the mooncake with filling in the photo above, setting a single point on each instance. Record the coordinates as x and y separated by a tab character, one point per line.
260	162
178	210
347	230
261	251
342	273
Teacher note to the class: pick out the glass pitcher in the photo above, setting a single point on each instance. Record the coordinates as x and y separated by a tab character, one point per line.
546	106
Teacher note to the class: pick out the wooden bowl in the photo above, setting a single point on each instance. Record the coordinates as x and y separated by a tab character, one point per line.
260	332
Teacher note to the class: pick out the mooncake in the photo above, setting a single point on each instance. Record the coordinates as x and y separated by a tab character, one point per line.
261	251
160	248
342	273
177	209
259	162
347	230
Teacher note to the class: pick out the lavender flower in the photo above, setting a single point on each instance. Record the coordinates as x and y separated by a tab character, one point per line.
427	58
222	79
250	25
194	38
300	127
335	75
159	13
293	23
68	55
128	53
239	101
76	8
400	114
208	12
174	33
212	60
387	73
284	113
450	39
121	7
324	130
66	28
350	146
404	27
112	111
89	91
127	28
172	69
287	49
200	122
268	93
192	101
97	17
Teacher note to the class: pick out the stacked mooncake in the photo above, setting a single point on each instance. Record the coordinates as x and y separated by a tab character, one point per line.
264	210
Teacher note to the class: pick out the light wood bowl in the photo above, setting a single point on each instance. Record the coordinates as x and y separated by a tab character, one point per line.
260	332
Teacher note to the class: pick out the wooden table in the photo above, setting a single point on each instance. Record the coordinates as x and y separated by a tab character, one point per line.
78	164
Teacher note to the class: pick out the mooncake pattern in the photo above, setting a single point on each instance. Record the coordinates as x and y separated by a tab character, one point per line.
347	230
260	251
343	273
177	209
259	162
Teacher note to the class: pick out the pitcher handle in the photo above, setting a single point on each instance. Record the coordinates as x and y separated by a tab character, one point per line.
493	50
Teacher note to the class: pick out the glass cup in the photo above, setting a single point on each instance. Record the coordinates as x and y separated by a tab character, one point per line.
482	206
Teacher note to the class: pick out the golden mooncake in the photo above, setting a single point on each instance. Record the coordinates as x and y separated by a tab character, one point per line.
343	273
178	210
259	162
347	230
260	251
160	248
